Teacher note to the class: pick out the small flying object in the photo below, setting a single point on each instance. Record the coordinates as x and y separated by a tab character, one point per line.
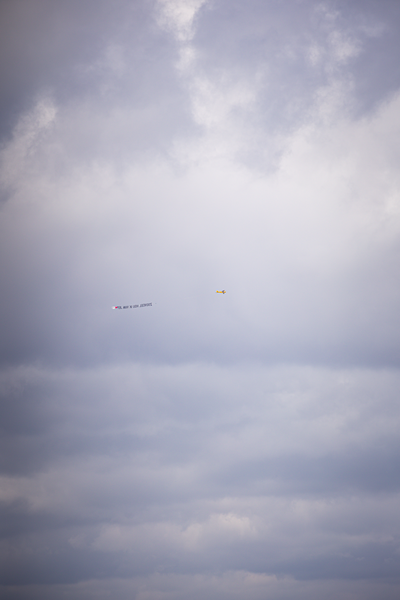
222	292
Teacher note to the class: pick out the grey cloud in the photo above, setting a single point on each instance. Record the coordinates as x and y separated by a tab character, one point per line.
159	469
48	46
226	586
294	53
232	446
92	54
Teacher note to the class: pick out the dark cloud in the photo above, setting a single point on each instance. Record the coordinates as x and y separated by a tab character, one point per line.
72	48
187	471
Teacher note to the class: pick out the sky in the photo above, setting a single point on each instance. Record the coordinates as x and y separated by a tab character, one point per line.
232	446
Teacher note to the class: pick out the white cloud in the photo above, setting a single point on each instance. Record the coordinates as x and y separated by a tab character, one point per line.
300	233
16	155
178	16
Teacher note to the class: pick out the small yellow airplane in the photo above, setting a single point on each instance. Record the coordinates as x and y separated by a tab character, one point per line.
223	292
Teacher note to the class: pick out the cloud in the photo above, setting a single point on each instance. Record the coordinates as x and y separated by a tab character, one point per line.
195	469
177	16
229	585
15	156
304	246
243	445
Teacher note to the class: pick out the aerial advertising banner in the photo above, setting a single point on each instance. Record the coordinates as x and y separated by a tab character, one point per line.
149	303
134	305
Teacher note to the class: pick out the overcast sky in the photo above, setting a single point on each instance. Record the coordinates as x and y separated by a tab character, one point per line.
212	446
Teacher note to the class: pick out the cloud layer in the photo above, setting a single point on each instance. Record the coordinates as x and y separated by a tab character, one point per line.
284	471
228	446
